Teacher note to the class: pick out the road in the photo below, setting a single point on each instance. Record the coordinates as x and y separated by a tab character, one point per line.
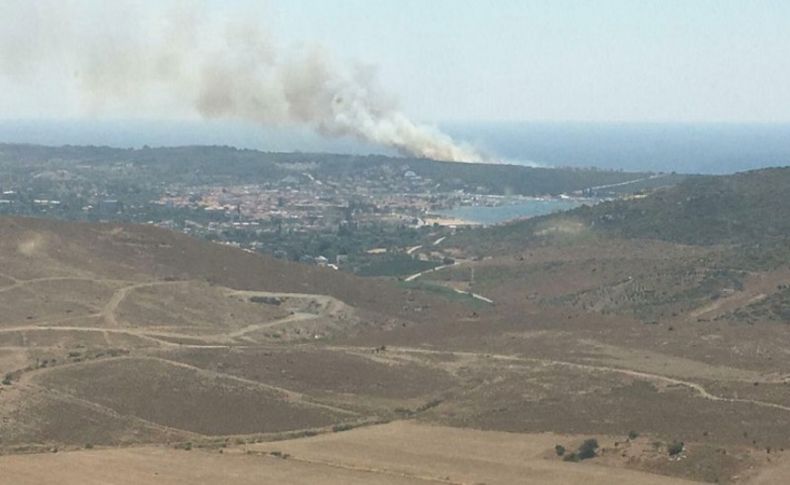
417	275
327	306
476	296
628	182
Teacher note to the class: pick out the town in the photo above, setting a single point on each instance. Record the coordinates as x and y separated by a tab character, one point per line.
362	215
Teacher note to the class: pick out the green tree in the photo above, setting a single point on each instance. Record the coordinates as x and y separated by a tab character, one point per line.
587	449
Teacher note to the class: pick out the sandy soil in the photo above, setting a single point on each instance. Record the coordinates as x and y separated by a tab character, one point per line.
165	466
452	455
395	453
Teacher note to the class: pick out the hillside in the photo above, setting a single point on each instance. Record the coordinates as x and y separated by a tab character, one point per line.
116	334
148	252
745	208
125	341
707	249
740	209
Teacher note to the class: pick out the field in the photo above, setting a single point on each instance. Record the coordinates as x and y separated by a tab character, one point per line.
398	453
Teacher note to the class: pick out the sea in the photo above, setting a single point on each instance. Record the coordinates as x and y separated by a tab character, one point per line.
706	148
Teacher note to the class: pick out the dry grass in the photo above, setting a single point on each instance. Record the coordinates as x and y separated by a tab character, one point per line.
185	398
121	334
397	453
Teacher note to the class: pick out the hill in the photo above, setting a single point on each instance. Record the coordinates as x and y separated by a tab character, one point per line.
34	246
708	248
135	330
745	208
116	335
193	165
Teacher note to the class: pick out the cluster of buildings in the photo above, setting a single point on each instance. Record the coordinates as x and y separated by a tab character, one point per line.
304	202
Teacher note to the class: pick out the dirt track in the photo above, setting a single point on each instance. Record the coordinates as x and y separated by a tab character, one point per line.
756	287
331	307
700	390
327	307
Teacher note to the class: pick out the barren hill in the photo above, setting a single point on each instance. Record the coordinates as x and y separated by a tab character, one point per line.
120	335
35	247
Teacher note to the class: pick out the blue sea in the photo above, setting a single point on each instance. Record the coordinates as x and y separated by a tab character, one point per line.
709	148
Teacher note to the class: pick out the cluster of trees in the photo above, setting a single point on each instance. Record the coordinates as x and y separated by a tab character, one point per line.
588	449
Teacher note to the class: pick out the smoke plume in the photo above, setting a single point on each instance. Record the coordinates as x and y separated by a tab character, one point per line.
122	57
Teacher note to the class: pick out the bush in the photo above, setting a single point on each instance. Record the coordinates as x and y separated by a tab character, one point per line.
571	457
587	449
560	450
429	405
632	435
675	448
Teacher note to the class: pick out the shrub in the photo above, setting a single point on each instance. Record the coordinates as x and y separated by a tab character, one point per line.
571	457
587	449
560	450
632	435
675	448
429	405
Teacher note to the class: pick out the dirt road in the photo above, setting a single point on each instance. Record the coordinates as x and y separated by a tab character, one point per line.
697	388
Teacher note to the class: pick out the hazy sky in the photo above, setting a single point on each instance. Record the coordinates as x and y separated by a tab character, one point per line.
602	60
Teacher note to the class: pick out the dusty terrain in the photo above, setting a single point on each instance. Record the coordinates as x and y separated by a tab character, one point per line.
401	452
128	346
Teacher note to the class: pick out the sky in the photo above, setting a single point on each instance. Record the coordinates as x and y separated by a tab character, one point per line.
502	60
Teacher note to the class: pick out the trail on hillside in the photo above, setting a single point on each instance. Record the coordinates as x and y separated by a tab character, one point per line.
328	307
699	389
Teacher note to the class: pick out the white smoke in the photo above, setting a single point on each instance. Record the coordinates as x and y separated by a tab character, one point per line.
123	57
